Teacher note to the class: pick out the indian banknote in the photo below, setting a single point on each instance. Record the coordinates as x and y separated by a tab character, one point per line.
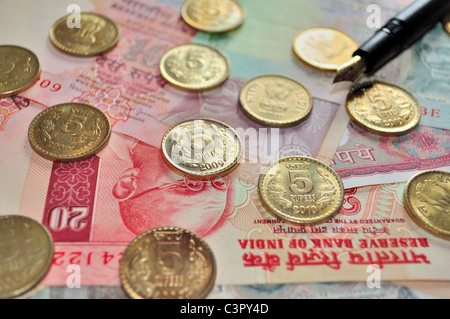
94	208
268	33
347	290
363	158
127	85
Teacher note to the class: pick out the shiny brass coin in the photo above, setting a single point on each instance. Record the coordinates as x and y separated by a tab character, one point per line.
324	48
383	108
202	149
301	189
26	254
95	35
168	263
19	69
274	100
213	16
427	201
69	132
195	67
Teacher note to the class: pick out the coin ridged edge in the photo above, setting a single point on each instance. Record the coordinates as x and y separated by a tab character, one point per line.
196	88
198	27
80	156
204	177
268	122
375	129
30	83
127	286
308	221
64	49
421	222
33	283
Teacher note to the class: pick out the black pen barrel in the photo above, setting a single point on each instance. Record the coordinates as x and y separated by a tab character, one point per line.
401	32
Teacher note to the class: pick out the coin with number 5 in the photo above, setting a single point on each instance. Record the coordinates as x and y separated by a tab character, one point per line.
301	189
69	132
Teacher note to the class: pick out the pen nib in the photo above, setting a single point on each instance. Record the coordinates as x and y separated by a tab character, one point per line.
350	70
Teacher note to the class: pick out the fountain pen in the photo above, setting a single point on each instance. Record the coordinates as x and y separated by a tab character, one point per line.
393	38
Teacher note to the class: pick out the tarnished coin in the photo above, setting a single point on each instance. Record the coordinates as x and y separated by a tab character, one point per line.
168	263
69	132
275	100
26	254
427	201
213	16
202	149
383	108
324	48
19	69
301	189
195	67
95	34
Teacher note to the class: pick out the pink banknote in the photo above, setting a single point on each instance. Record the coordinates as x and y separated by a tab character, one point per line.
94	208
127	85
367	159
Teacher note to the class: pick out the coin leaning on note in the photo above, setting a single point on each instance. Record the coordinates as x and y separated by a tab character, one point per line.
275	100
202	149
168	263
19	69
383	108
427	200
69	132
213	16
26	254
195	67
301	189
95	35
323	48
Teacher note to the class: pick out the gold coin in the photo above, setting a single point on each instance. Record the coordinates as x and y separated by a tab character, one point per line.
213	16
324	48
19	69
427	201
275	100
301	189
168	263
383	108
96	34
26	254
446	23
202	149
195	67
69	132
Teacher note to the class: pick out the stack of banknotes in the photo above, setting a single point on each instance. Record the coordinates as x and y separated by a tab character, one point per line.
94	208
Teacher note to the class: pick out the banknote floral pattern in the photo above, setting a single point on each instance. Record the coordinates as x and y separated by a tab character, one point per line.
10	106
70	200
111	102
425	142
351	205
72	182
7	109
